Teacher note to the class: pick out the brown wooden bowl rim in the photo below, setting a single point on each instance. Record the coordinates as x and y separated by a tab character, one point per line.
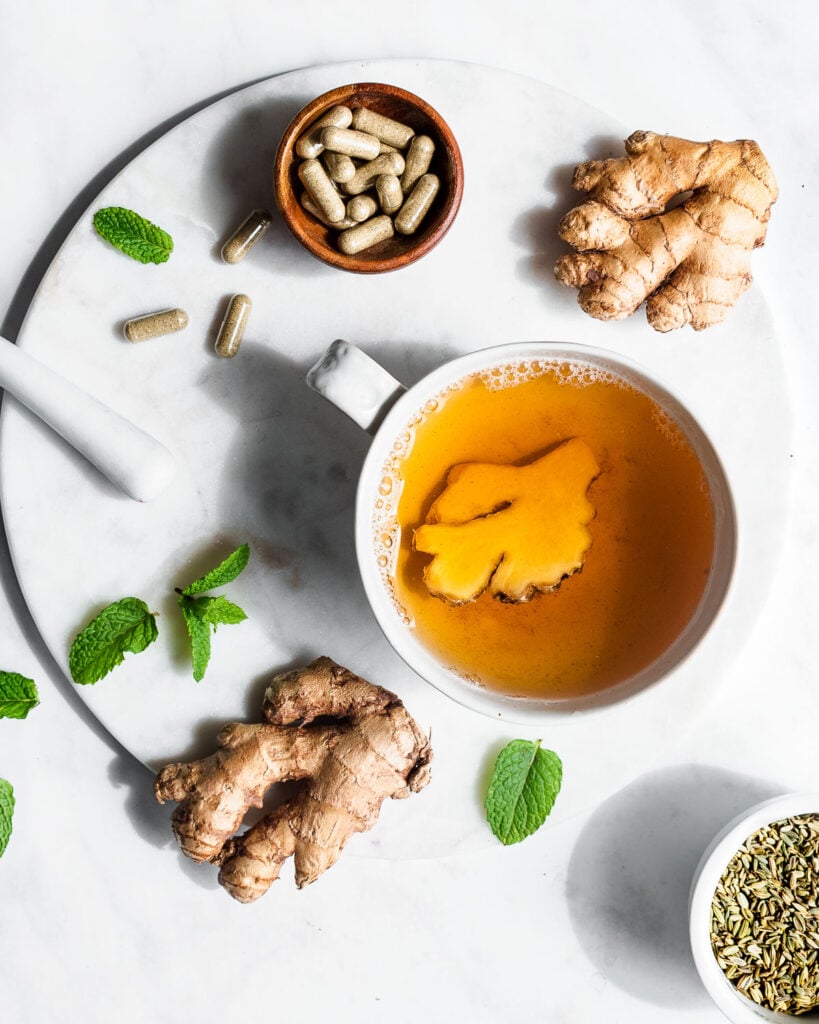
333	257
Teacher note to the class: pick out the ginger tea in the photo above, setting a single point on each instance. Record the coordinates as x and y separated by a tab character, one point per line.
652	531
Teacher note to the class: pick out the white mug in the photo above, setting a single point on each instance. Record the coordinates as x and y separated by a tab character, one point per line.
382	406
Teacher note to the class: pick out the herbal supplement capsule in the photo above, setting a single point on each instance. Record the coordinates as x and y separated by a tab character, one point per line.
153	325
321	190
233	326
388	190
309	145
361	208
246	235
340	168
417	161
392	132
375	230
387	163
314	211
418	202
351	143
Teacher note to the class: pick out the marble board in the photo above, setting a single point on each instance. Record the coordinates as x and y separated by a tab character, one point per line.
264	460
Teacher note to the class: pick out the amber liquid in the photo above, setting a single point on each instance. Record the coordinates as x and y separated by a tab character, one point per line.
652	535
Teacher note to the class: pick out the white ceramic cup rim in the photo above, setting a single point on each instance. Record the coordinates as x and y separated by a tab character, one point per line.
736	1007
529	711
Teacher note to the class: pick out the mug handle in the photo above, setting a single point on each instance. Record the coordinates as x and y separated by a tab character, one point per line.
356	384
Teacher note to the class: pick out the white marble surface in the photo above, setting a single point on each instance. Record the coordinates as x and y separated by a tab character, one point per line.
101	917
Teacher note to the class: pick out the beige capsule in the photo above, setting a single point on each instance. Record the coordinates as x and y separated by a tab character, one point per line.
340	168
154	325
233	326
388	190
351	143
418	202
394	133
363	236
314	211
246	235
417	161
309	145
321	190
365	175
361	208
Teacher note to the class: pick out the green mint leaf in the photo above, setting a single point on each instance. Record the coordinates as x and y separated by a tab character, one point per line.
199	632
225	572
524	785
133	235
123	626
6	812
219	611
18	695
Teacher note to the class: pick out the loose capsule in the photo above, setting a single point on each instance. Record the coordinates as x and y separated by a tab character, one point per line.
351	143
384	128
153	325
361	208
388	190
364	178
314	211
418	202
340	168
321	189
233	326
417	161
375	230
309	145
246	235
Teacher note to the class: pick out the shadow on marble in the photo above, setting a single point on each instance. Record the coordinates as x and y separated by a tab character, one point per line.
631	870
237	174
535	230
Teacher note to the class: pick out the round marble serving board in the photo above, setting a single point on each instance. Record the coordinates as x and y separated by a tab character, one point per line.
264	460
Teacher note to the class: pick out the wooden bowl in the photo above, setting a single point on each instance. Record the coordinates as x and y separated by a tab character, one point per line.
400	250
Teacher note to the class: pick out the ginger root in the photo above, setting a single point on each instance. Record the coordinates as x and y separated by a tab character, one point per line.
354	743
692	262
514	529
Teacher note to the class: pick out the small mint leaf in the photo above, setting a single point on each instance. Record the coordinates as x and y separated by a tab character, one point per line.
225	572
199	633
18	695
6	813
124	626
524	786
219	611
133	235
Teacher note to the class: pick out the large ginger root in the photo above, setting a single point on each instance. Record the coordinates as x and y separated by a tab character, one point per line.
356	744
514	529
691	263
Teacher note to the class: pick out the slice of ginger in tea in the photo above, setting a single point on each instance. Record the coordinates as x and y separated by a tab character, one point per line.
514	529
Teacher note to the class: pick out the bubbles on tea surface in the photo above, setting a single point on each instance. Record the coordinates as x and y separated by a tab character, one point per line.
667	426
567	371
385	486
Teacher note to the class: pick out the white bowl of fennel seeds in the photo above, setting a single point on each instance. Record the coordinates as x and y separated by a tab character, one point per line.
754	913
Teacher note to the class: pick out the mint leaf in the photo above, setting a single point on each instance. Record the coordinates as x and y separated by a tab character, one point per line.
199	632
123	626
6	812
18	695
225	572
133	235
524	785
219	611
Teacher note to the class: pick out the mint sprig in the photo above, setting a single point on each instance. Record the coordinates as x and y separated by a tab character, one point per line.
18	695
126	626
202	613
524	785
225	572
6	813
133	234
